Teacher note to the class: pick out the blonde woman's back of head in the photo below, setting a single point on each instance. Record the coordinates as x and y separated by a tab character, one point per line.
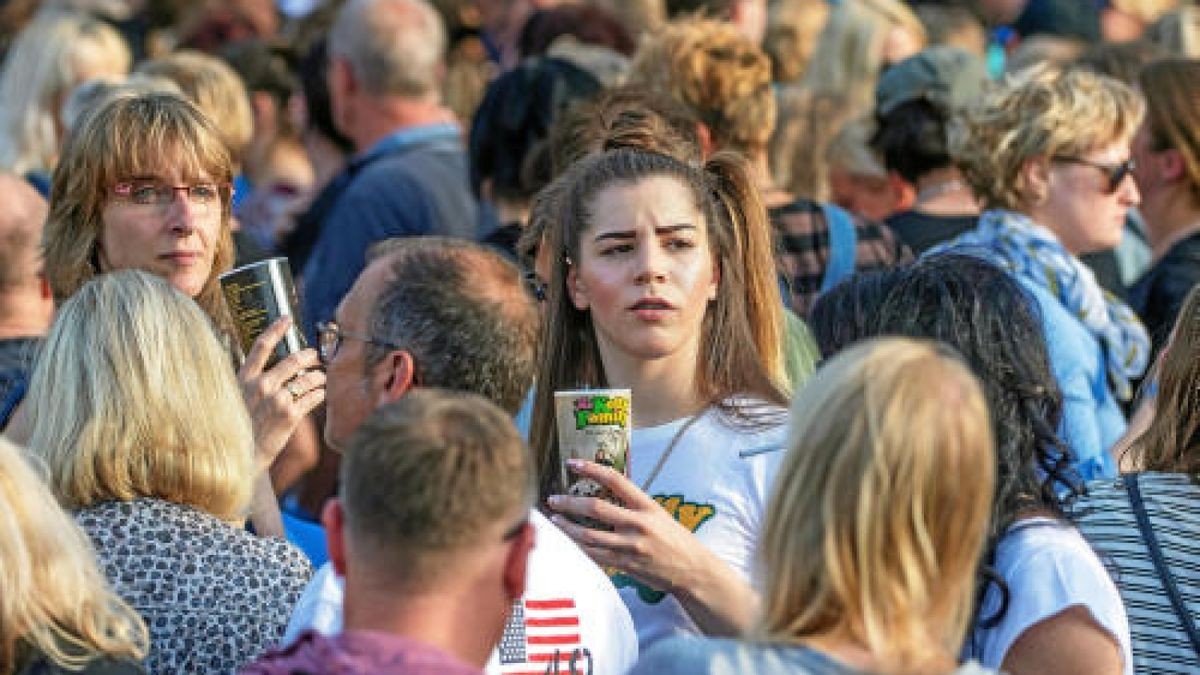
134	397
54	600
878	513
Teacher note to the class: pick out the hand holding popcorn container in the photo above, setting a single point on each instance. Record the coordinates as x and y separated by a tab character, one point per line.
593	425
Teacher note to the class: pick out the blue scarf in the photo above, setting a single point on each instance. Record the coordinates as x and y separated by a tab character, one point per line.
1029	251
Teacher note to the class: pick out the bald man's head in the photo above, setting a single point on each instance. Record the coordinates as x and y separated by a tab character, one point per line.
21	220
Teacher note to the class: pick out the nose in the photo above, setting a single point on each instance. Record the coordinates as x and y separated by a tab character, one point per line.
1128	192
181	213
651	266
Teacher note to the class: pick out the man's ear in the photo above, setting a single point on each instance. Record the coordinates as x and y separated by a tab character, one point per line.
1034	177
904	193
341	76
517	562
393	377
333	518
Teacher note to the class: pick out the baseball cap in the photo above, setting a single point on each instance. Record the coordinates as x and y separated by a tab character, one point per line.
945	76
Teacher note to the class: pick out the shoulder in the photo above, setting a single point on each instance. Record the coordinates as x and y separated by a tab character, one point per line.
38	664
707	656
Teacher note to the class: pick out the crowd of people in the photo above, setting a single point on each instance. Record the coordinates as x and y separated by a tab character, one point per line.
902	294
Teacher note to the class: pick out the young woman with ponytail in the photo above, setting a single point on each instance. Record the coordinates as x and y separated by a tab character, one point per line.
654	287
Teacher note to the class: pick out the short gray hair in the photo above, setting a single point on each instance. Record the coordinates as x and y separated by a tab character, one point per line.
393	46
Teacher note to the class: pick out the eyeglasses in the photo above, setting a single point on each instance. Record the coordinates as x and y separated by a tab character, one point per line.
330	336
150	193
1115	173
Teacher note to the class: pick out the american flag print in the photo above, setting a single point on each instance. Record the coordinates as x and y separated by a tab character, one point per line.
542	638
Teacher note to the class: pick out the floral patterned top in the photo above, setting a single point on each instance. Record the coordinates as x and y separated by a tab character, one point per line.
214	597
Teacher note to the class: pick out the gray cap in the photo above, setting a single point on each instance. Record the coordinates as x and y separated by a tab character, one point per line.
945	76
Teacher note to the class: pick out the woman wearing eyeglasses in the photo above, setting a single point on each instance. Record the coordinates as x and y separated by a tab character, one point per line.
1048	153
144	183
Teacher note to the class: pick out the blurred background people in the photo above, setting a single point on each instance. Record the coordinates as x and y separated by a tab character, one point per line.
26	302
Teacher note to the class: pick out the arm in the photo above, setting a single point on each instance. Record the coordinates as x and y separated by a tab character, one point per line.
649	545
1067	643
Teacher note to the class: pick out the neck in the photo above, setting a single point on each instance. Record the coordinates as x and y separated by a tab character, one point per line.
448	619
772	196
24	318
382	116
1170	219
943	192
660	394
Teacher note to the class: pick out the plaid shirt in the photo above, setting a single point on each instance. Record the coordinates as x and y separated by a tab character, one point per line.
802	249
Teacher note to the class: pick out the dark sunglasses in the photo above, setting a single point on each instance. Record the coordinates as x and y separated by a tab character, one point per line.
1115	173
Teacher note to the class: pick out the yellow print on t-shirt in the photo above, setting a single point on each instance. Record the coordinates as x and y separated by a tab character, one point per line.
689	514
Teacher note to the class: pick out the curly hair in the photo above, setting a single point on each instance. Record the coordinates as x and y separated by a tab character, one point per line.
719	74
1038	113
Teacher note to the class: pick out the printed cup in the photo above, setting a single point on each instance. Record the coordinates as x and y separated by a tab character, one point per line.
258	295
593	425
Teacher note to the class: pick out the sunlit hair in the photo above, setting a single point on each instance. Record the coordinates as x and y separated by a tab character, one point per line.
1171	444
793	27
1172	90
55	600
731	360
132	135
878	513
849	53
406	472
395	47
719	73
133	396
215	88
52	55
1036	114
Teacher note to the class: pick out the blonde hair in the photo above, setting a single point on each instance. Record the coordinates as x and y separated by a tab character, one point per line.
717	72
133	396
849	52
215	88
1038	113
55	599
132	134
793	27
878	513
46	61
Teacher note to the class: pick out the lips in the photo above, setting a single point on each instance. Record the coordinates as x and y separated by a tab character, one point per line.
181	257
652	304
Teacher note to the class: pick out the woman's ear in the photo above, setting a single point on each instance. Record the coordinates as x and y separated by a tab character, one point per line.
1033	180
576	288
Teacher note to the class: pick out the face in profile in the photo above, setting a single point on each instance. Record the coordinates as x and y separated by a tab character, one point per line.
646	270
1089	197
167	223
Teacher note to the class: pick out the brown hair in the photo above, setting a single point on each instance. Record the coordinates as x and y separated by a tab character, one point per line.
730	361
719	74
428	475
1171	444
1172	91
129	135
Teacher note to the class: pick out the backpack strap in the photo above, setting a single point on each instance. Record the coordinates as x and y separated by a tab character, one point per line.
1160	564
843	245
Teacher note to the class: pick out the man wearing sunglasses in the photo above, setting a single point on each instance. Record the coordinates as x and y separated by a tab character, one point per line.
447	313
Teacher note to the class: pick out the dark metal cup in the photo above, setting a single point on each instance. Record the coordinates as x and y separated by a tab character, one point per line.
258	295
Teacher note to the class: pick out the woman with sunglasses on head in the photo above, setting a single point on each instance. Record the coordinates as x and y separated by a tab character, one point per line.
1048	153
144	182
648	291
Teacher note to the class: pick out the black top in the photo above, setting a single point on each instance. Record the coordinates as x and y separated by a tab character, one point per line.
36	663
1158	295
16	366
923	231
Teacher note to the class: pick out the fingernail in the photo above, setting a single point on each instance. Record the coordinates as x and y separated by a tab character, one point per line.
554	500
575	463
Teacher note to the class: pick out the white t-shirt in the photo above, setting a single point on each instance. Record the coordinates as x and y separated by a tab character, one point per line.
570	615
1048	567
716	484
